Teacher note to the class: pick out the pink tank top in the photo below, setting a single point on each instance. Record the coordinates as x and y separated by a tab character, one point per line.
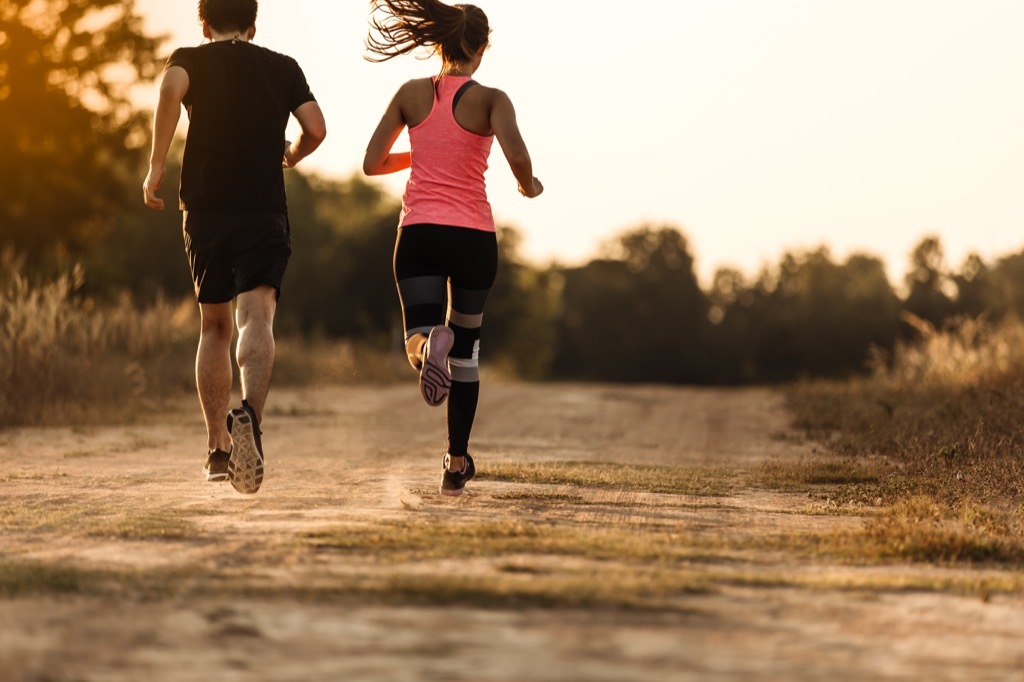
446	184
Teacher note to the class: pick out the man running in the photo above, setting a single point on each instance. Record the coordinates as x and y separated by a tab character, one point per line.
239	97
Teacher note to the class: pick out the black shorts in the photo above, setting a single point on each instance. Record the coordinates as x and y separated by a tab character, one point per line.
231	253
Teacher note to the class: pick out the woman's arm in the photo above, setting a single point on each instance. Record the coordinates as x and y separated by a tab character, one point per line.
378	159
506	130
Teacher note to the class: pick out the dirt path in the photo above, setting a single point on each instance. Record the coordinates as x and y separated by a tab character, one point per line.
129	501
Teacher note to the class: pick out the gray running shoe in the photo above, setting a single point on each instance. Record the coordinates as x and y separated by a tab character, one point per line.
454	482
216	467
435	376
245	468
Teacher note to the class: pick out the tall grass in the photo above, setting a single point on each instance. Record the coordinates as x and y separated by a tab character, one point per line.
64	357
945	413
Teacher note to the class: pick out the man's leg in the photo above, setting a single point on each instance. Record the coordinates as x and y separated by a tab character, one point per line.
213	371
255	351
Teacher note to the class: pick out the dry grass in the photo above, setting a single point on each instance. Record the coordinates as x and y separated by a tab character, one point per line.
822	472
68	359
515	562
941	425
309	362
21	579
65	359
610	476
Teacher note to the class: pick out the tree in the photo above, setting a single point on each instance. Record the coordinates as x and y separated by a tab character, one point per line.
973	287
519	329
339	281
927	283
142	249
70	138
637	314
1007	286
809	316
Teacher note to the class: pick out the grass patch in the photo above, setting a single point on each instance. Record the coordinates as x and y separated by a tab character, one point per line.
831	471
66	359
936	432
706	481
423	541
19	579
519	563
919	529
149	527
6	478
589	588
541	497
91	521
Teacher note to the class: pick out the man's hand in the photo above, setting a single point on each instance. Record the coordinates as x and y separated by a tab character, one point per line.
150	187
313	132
289	160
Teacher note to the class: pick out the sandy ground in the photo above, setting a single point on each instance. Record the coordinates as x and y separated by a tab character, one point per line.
371	455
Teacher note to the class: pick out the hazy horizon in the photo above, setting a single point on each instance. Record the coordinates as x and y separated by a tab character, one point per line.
753	128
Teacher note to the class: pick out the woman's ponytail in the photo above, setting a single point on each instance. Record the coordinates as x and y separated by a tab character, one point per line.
455	32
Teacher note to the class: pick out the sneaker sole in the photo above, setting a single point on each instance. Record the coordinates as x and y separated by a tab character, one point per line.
435	377
215	478
245	468
451	493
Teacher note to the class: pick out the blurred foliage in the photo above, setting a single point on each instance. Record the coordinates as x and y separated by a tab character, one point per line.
69	135
637	314
808	316
63	358
70	194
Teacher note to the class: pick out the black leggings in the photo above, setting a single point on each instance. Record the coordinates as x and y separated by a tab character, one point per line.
435	264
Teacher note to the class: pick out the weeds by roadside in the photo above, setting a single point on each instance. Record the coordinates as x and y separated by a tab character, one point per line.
942	422
65	358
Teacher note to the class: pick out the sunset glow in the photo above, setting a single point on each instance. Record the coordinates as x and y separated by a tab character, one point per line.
753	127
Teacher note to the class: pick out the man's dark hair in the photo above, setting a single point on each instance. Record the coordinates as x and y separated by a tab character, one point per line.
228	15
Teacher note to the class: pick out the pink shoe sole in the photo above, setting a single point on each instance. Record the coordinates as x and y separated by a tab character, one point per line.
435	377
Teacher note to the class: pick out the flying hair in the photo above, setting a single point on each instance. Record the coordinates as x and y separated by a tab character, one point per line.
398	27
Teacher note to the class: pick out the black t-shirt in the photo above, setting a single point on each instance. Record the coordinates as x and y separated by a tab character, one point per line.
239	99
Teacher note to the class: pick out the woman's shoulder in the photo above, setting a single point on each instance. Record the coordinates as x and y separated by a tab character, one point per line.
487	96
416	86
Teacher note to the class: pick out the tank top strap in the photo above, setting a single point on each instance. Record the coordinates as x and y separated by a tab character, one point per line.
462	91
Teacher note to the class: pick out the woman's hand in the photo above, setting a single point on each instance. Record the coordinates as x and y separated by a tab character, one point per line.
535	190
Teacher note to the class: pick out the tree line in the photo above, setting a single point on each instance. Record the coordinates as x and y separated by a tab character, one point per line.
73	152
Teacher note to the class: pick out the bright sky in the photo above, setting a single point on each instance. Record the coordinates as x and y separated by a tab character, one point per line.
754	127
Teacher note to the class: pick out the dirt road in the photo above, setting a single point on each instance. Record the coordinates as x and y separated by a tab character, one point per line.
125	565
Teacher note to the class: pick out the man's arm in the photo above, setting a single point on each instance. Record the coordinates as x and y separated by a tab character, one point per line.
314	130
165	122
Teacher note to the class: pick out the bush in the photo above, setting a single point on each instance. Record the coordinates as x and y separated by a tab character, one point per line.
63	357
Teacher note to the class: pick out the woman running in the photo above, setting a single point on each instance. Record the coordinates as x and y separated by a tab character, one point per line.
446	238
